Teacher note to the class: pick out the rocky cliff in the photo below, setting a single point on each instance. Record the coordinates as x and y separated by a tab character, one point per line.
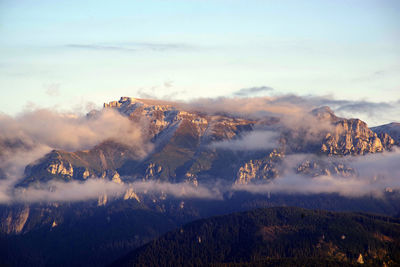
391	129
350	136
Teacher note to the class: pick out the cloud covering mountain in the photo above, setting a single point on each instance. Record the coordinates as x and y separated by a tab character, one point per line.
274	123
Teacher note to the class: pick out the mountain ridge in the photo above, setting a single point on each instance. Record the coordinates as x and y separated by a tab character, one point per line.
182	150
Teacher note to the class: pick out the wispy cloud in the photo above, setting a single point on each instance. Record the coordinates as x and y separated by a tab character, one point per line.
252	91
374	174
29	136
161	46
133	47
52	89
100	47
168	84
372	112
70	132
256	140
94	188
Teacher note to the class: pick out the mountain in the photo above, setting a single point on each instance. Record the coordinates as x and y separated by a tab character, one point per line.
77	234
188	164
393	129
179	138
185	148
276	237
84	233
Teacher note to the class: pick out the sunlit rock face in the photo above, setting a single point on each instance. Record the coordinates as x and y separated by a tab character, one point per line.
353	137
391	130
350	136
102	200
130	194
314	168
260	169
161	115
59	168
13	221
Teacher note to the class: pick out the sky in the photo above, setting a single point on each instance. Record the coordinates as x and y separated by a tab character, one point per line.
75	55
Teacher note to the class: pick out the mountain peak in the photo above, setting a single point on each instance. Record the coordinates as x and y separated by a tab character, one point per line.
123	100
324	112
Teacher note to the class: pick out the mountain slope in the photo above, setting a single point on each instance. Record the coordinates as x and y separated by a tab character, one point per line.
275	235
393	129
81	234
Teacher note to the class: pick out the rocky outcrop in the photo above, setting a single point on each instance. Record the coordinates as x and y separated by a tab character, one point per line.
191	178
153	170
260	169
392	130
314	168
353	137
162	115
61	169
101	161
14	220
130	194
349	136
102	200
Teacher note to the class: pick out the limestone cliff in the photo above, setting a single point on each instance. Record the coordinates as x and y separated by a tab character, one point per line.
391	129
259	169
319	167
353	137
350	136
14	220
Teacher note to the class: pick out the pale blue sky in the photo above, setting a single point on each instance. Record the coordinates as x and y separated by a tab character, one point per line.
65	53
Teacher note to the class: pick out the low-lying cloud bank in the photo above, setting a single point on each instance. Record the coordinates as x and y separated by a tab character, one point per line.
374	113
256	140
374	175
69	132
94	188
344	186
30	135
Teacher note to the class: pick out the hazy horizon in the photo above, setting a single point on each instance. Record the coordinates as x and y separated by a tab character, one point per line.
77	55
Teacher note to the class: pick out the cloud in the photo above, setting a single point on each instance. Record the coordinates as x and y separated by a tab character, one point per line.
53	89
255	107
12	163
34	133
256	140
100	47
133	47
31	135
369	111
168	84
94	188
71	132
162	46
374	113
180	190
375	174
281	114
252	91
